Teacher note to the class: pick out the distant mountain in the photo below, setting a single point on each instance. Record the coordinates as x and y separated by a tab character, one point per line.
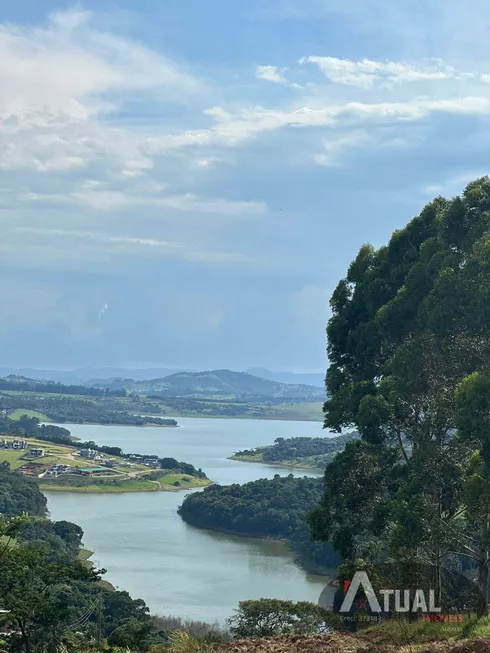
182	383
216	383
84	375
316	379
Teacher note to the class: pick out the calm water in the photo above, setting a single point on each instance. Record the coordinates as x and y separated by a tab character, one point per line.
150	552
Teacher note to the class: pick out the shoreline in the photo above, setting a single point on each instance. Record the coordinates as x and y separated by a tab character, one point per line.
100	489
268	418
286	465
84	557
139	426
312	569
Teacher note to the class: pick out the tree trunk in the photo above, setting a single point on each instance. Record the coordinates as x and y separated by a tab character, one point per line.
483	587
25	637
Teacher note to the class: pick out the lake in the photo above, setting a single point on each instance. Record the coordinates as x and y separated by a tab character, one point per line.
150	552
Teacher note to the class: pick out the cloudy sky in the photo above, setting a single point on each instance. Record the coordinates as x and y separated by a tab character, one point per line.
183	183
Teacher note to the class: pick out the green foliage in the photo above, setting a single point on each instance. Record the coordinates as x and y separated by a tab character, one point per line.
273	617
85	410
133	634
320	450
32	589
274	508
63	538
22	383
19	495
409	344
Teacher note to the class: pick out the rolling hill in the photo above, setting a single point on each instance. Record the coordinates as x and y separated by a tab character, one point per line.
216	383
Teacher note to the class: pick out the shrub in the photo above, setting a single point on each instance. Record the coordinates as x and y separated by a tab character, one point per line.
272	617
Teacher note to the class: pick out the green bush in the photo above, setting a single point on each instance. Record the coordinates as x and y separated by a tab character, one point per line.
272	617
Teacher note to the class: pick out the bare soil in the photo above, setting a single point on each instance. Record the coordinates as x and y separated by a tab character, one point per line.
346	643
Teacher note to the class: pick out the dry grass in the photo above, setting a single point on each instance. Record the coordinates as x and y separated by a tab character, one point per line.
346	643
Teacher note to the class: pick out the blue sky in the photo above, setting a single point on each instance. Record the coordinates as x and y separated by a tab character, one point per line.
183	183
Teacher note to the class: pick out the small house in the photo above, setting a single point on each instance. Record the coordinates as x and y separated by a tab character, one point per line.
150	462
93	471
87	453
19	444
37	453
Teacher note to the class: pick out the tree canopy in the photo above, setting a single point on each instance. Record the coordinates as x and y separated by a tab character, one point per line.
409	352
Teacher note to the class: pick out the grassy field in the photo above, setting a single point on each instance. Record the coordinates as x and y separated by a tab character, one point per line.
301	463
165	482
19	412
124	479
310	411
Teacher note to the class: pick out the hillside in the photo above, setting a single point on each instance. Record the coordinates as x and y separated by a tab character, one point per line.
267	508
294	378
215	383
305	453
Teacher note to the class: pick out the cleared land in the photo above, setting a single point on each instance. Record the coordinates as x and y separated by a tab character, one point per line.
121	477
20	412
166	482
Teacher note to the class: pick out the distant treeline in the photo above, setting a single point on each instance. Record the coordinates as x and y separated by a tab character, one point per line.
302	447
20	383
79	411
30	427
210	407
274	508
170	464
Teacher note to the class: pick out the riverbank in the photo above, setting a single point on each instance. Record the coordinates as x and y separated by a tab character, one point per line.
61	468
135	426
147	547
165	483
307	411
84	557
319	571
288	464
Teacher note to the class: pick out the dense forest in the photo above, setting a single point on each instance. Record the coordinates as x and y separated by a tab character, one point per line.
19	495
409	352
275	508
85	411
50	594
316	451
56	600
27	426
20	383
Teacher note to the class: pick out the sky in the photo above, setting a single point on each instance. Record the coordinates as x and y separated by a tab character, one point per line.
183	183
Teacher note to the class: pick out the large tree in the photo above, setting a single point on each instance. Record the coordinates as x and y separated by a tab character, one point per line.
409	322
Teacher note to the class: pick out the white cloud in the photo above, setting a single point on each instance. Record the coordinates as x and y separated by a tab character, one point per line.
66	89
232	129
73	239
66	67
367	73
61	81
99	197
271	74
335	146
